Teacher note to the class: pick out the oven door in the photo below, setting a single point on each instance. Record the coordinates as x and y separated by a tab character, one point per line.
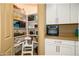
53	32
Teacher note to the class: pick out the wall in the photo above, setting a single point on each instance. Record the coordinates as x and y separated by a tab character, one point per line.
67	30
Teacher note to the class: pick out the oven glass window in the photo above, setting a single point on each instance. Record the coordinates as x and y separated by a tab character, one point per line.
52	31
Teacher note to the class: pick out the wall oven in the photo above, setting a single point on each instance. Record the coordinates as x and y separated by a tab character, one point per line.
52	30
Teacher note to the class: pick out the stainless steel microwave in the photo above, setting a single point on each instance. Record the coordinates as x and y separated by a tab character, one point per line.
52	30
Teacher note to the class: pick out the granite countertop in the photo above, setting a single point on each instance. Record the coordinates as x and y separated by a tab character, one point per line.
62	38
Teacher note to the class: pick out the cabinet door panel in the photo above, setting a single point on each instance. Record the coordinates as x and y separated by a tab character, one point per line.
77	48
74	12
51	48
6	27
63	13
7	13
51	14
7	43
67	50
9	52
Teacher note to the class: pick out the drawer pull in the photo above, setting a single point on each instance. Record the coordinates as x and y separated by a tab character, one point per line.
57	48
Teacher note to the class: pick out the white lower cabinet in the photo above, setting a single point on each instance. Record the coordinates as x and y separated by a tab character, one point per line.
52	47
78	49
59	47
51	50
67	50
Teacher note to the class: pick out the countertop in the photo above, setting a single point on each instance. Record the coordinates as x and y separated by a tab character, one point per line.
62	38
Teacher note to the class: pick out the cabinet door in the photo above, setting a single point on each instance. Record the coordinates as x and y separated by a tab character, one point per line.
63	13
6	44
67	50
51	14
51	48
74	12
9	52
77	48
6	27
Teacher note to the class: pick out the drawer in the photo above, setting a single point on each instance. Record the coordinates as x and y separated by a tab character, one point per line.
67	42
59	42
53	41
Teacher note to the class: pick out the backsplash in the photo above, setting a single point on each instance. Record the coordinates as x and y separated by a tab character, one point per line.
68	30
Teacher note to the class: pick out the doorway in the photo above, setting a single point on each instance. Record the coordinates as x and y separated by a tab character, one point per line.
25	29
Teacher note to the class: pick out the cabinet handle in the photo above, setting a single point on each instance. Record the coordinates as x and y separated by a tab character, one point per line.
57	48
56	20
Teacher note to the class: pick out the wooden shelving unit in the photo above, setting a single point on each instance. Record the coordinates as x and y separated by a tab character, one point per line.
18	13
33	31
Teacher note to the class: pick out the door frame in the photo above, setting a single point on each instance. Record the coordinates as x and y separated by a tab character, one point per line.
41	29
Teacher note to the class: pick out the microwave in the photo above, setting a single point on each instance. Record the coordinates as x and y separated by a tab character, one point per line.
52	30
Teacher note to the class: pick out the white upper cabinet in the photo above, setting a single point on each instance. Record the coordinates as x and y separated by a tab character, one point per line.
63	13
74	12
51	14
